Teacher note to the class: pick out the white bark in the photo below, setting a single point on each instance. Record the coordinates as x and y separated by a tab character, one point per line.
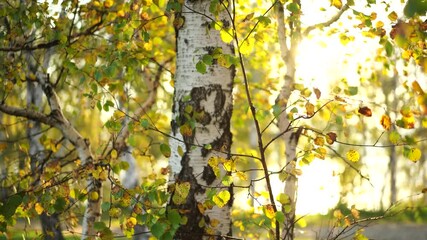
210	93
289	137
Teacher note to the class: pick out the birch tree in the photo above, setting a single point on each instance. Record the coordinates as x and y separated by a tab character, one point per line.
201	137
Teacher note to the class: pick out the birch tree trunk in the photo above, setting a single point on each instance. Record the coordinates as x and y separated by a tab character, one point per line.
201	117
289	137
289	37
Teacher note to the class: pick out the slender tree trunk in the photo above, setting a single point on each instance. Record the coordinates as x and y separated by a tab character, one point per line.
201	117
289	137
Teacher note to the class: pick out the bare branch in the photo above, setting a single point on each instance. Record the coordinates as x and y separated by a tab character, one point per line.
327	23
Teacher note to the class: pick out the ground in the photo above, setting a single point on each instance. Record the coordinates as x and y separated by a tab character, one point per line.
375	231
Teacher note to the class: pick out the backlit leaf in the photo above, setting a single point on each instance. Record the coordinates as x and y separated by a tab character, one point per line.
319	141
353	155
355	212
269	211
317	93
331	137
309	108
283	198
392	16
365	111
221	198
385	122
413	154
417	88
248	17
336	3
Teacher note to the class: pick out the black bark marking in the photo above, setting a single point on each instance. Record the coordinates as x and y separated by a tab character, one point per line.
208	175
191	230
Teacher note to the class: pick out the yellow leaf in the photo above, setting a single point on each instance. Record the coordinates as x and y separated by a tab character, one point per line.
221	198
417	88
392	16
108	3
39	209
242	176
406	54
93	196
309	108
229	165
414	154
319	141
226	36
336	3
201	208
214	222
121	13
379	24
321	153
247	46
353	155
355	212
114	154
385	122
338	214
130	222
269	211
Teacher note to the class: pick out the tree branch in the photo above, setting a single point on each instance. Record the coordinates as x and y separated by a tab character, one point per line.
26	47
29	114
327	23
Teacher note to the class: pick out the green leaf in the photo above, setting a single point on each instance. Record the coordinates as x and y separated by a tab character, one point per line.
280	216
158	229
145	123
105	206
352	91
8	210
207	59
227	180
415	7
201	67
388	48
293	7
99	105
107	105
283	198
99	226
174	217
394	137
60	204
264	20
165	150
